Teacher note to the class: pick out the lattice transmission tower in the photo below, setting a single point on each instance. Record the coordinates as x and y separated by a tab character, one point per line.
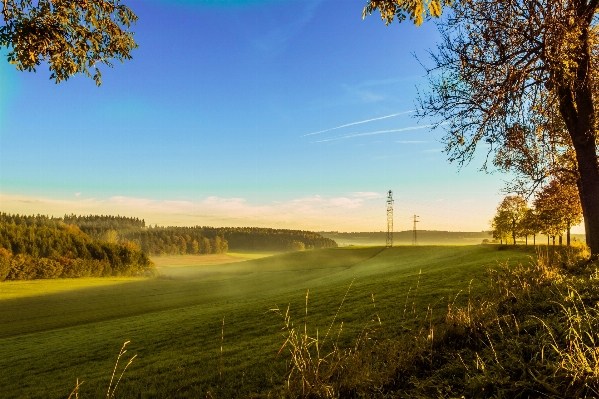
414	236
389	219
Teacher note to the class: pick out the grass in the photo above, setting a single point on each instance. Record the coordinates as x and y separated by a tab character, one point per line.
532	333
202	260
32	288
51	337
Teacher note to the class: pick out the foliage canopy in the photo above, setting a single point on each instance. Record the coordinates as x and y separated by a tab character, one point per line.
416	10
510	213
558	206
71	36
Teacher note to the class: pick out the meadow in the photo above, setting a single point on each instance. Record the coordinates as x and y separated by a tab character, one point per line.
56	331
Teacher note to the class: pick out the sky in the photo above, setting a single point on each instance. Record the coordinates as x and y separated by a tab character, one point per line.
271	113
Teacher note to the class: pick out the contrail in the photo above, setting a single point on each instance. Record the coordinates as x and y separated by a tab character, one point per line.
349	136
360	122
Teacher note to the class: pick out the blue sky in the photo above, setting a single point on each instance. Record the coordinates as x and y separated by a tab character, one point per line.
212	123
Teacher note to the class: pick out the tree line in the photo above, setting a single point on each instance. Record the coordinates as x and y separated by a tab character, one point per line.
151	240
259	238
555	209
157	240
42	247
173	240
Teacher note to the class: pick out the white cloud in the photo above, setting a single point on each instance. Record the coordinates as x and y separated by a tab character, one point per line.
346	202
310	213
367	194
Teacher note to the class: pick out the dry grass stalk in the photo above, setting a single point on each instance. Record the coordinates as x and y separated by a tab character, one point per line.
578	351
546	269
111	389
310	370
75	390
222	338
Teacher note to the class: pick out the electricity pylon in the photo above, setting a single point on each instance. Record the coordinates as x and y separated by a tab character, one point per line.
414	237
389	219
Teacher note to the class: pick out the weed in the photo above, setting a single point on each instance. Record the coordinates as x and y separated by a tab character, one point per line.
75	392
310	369
111	389
576	346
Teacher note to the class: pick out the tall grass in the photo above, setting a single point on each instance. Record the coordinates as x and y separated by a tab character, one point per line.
110	393
533	333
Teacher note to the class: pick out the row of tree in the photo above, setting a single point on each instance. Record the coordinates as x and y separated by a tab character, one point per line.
556	208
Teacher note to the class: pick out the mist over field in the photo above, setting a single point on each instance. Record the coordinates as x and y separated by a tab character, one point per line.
174	322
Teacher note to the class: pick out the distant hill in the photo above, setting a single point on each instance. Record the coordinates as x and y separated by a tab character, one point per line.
425	237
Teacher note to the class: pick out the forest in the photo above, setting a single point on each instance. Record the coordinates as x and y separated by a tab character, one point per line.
96	245
41	247
172	240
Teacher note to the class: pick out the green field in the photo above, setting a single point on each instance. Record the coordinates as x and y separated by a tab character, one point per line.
55	331
203	260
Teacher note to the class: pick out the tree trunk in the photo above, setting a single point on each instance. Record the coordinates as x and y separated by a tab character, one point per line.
589	193
560	239
578	111
526	240
534	240
568	235
547	240
553	237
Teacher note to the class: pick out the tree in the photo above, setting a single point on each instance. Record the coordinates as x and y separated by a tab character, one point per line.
111	236
72	36
416	10
500	228
216	248
195	247
549	224
530	226
502	64
224	246
509	214
297	246
206	246
559	205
